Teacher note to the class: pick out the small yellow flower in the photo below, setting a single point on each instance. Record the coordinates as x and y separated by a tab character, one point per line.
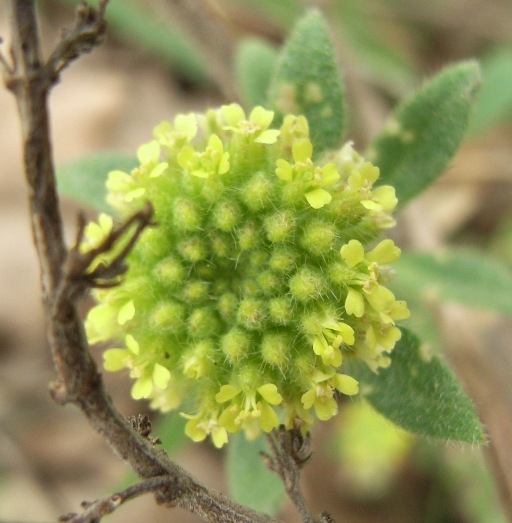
294	128
256	126
210	162
314	179
328	343
148	374
364	281
321	394
245	407
202	425
96	232
182	132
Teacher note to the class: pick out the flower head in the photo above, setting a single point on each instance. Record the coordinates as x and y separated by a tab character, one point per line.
261	274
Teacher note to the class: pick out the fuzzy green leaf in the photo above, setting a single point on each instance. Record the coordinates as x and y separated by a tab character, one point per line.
423	133
463	276
84	180
379	59
307	81
147	29
250	482
254	62
171	430
495	101
419	393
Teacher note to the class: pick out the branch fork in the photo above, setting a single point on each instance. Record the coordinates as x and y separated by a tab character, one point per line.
289	453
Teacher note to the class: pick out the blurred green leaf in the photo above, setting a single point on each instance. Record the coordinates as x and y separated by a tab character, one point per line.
254	63
370	449
307	81
83	180
469	481
170	428
250	482
419	393
147	30
424	317
463	276
377	55
423	133
495	100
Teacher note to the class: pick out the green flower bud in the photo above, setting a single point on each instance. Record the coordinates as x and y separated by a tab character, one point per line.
186	215
193	249
251	313
279	226
195	291
236	345
257	193
307	284
276	349
198	360
226	215
170	272
260	276
269	282
202	322
318	237
227	306
281	310
248	236
169	316
283	259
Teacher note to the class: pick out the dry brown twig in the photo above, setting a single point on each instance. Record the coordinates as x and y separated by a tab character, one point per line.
290	452
66	278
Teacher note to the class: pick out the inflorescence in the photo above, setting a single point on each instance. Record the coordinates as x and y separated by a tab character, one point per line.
261	275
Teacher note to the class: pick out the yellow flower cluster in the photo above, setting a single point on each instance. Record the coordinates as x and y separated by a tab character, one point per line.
241	304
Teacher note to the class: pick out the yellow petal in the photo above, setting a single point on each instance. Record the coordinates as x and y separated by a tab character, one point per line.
346	384
226	393
325	408
148	152
126	312
261	116
232	113
161	376
354	303
268	419
269	393
219	437
317	198
268	137
302	150
284	170
384	252
308	398
115	359
352	253
142	388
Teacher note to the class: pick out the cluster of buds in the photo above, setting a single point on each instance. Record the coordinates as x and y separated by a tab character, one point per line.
260	277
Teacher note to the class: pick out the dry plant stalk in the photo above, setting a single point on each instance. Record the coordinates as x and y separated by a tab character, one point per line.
65	280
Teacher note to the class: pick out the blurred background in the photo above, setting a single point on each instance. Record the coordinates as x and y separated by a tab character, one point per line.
163	57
